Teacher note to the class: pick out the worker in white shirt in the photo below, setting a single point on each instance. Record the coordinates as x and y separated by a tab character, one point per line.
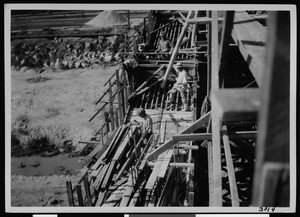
181	86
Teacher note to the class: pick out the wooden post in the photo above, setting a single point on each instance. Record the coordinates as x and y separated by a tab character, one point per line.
79	194
117	118
174	54
101	133
275	149
106	122
87	190
70	193
128	17
231	175
208	56
125	89
216	136
119	96
194	30
111	107
226	36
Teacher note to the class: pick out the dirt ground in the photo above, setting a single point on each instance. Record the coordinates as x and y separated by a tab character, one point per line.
56	105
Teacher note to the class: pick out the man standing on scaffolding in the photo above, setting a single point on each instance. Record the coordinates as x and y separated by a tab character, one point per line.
164	46
180	86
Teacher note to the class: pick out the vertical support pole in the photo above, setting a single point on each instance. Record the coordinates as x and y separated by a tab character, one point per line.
87	190
208	28
119	96
70	193
111	107
226	36
145	31
117	118
128	17
216	134
194	31
175	51
125	90
106	122
134	45
101	133
79	194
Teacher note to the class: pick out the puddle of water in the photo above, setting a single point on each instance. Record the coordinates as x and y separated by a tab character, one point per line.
45	166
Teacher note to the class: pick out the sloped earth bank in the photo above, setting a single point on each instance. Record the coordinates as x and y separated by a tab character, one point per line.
49	115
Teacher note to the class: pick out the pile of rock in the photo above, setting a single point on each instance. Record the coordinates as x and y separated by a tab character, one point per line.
65	53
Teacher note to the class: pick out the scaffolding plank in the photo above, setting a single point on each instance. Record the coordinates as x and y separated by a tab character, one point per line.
100	199
250	36
165	164
100	177
108	175
124	143
153	177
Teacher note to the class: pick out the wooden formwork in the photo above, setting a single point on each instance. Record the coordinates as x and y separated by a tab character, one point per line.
225	132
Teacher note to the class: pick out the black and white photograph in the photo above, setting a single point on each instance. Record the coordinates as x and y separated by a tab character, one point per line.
150	108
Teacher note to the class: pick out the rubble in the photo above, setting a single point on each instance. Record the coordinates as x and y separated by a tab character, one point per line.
64	53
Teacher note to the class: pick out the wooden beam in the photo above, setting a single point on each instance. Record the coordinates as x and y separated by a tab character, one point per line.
216	137
124	143
87	190
191	165
70	193
230	169
174	53
250	36
192	137
200	123
79	194
153	177
237	104
275	148
162	131
210	172
194	31
111	107
119	96
165	164
190	147
201	20
225	40
108	176
131	156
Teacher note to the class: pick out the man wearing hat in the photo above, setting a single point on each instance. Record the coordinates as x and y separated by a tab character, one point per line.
181	86
164	46
147	123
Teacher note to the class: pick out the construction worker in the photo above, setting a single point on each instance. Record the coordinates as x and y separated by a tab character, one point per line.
146	123
181	86
164	46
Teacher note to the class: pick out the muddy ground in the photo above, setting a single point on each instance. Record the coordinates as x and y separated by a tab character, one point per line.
51	109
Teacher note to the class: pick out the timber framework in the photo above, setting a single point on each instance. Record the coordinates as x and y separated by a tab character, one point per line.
224	150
